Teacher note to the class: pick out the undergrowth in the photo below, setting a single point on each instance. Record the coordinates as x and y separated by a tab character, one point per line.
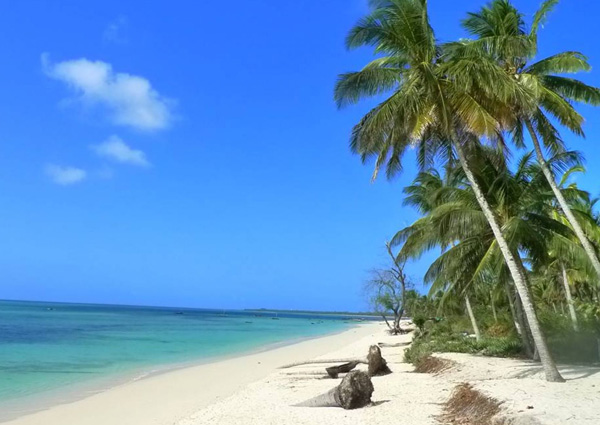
453	334
445	337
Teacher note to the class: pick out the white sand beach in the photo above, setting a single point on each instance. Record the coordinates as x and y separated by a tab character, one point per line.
252	390
414	398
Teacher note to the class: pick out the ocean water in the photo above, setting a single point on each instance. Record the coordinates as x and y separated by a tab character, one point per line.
46	348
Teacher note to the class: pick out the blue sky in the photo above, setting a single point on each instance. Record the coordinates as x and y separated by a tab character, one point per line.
190	153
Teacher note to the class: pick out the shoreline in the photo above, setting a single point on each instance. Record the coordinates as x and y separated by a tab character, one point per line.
166	394
254	390
18	407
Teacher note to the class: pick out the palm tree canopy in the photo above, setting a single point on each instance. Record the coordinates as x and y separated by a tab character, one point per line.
500	33
432	98
453	221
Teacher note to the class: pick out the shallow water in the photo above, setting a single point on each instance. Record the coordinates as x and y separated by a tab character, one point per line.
46	347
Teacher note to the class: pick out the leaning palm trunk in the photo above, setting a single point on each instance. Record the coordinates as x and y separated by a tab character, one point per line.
520	280
519	320
472	317
565	280
587	246
511	306
532	350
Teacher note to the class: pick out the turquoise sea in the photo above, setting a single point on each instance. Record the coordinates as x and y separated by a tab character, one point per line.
49	348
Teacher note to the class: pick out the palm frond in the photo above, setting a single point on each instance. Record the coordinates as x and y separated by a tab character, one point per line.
561	63
371	81
540	17
572	89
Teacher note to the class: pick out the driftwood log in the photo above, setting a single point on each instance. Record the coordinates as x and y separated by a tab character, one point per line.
334	371
377	364
398	344
325	361
354	392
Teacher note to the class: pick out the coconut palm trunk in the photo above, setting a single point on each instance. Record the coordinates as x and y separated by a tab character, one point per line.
520	280
511	306
587	246
472	317
519	320
565	280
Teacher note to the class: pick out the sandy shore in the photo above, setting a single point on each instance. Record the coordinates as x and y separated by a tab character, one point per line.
413	398
402	397
526	397
167	398
251	390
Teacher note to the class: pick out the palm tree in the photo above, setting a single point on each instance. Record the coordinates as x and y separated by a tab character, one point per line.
437	104
501	35
568	261
428	193
451	216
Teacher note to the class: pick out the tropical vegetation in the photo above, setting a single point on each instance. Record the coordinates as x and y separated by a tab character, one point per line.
516	237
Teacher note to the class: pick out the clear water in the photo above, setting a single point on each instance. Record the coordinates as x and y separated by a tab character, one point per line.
45	347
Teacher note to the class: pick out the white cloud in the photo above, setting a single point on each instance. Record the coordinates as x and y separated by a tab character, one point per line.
114	31
117	150
129	99
65	175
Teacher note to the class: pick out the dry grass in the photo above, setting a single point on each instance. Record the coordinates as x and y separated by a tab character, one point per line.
468	406
432	364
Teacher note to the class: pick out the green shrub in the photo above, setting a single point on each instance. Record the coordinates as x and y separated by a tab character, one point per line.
501	347
419	322
442	337
416	353
461	324
500	329
441	328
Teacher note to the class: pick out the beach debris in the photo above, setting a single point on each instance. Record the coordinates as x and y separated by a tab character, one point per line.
434	365
377	364
469	406
324	361
399	344
334	371
353	392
